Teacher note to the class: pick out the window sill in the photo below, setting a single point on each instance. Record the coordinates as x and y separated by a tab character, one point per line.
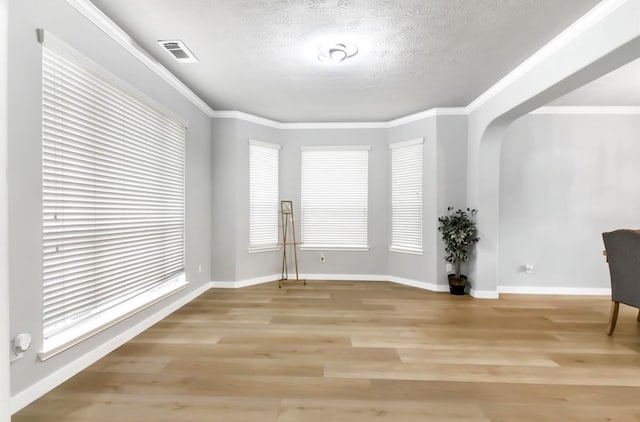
258	249
409	251
78	333
334	248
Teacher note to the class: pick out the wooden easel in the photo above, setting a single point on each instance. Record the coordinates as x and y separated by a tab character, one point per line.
288	229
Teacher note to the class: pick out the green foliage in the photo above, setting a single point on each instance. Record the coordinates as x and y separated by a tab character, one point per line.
459	233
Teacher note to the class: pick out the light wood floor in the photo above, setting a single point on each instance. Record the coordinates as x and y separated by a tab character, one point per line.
368	351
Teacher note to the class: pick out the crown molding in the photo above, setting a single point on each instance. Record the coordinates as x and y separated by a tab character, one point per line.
586	22
95	15
442	111
450	111
109	27
595	15
619	110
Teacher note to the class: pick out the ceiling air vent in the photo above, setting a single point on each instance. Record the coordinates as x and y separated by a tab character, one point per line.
178	51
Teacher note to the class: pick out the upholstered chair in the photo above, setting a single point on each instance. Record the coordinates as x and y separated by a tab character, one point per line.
623	254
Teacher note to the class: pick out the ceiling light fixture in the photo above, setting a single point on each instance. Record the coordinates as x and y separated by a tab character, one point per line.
337	52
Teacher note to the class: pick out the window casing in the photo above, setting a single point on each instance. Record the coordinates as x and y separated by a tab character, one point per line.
335	197
263	196
406	196
113	175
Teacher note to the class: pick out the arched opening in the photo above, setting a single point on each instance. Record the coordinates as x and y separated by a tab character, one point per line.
546	81
567	174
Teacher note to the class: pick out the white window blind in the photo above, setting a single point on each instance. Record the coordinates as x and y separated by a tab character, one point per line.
263	195
406	196
113	198
335	197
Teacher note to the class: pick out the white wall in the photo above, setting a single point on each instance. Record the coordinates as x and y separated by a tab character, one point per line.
24	177
565	179
4	238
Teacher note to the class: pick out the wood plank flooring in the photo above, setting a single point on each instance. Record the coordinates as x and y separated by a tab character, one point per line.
363	351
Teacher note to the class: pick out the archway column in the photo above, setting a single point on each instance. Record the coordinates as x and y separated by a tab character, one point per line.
603	40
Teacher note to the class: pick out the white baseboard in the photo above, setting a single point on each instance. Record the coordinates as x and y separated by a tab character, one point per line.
550	290
484	294
345	277
419	284
244	283
43	386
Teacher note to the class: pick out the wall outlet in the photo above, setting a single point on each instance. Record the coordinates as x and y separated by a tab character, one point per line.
527	268
322	258
199	268
449	267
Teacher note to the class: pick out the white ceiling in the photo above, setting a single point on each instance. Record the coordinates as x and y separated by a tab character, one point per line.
619	88
260	56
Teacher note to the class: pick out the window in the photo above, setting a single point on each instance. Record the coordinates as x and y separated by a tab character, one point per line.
406	196
113	199
263	196
334	197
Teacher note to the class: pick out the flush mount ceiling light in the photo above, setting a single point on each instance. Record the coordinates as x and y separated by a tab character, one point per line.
337	52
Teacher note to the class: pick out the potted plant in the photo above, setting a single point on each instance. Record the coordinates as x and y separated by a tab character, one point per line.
459	233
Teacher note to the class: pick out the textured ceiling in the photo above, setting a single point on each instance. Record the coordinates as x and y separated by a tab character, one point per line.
260	56
618	88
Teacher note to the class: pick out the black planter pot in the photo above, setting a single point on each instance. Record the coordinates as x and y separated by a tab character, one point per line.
457	286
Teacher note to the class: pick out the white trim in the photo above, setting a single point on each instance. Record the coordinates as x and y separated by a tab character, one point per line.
79	333
244	283
41	387
484	294
410	251
95	15
586	22
403	144
591	18
240	115
443	111
333	125
553	290
335	147
5	336
419	284
333	248
263	144
623	110
260	249
344	277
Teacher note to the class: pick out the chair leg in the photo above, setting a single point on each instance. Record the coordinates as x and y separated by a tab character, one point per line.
613	318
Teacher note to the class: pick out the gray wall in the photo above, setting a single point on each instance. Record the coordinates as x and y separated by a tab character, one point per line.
224	192
565	179
231	260
444	184
423	267
251	265
4	227
373	261
451	179
24	173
